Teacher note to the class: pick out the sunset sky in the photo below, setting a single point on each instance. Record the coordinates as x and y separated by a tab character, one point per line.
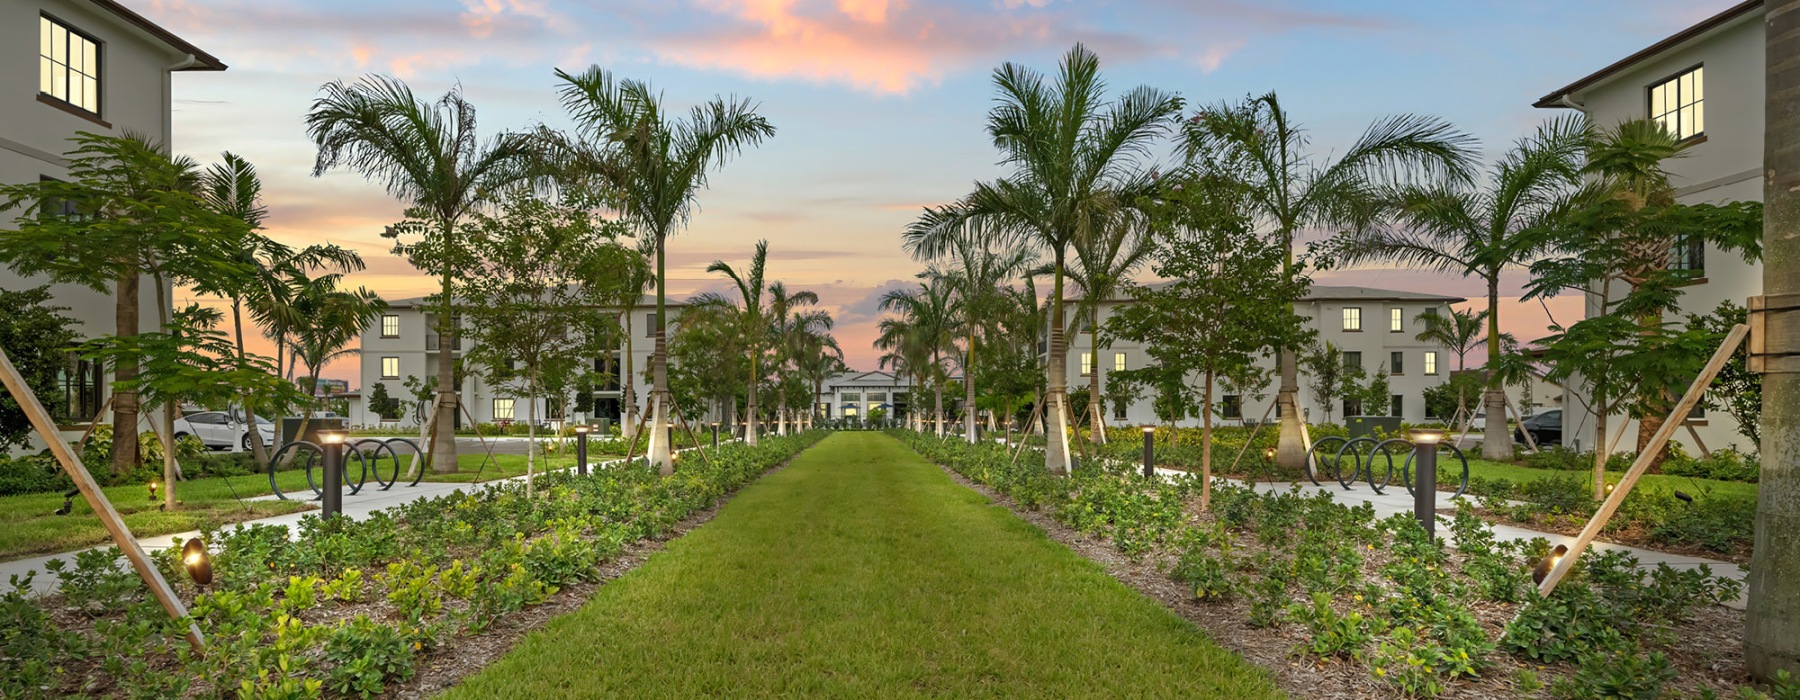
879	104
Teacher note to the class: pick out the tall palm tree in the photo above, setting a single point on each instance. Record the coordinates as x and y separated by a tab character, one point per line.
894	357
751	316
786	318
635	280
1104	262
656	164
333	318
1293	189
1483	231
980	265
430	156
1460	333
1075	160
930	316
819	358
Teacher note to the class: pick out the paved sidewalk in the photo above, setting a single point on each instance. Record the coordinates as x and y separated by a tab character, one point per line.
356	507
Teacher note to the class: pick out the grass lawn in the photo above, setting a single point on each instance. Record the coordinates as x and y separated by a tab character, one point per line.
1517	474
863	571
29	525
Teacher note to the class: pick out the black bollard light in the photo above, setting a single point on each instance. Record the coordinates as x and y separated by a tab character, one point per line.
1149	452
715	435
332	441
581	465
1425	452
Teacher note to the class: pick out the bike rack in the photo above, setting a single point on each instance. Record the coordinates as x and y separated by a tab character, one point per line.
1354	446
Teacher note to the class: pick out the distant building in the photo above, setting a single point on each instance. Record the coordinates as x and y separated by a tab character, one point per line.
1704	83
82	65
1376	329
327	387
855	394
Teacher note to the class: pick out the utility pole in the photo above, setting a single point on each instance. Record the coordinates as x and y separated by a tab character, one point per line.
1772	630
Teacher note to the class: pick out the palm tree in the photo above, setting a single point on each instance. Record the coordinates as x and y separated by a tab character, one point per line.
1460	333
1292	189
981	264
787	320
1483	232
1075	162
332	318
1104	264
634	280
751	318
931	316
818	358
656	165
428	155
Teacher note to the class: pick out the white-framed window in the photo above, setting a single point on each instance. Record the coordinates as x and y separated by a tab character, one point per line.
1087	363
1431	362
1396	320
1118	362
68	65
503	409
1352	318
390	368
390	325
1679	103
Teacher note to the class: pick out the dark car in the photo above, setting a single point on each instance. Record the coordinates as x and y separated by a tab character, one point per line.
1545	428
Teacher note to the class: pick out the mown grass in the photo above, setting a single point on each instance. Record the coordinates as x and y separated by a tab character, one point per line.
29	524
863	571
1691	485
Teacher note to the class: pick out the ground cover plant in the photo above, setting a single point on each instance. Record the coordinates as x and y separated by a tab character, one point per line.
861	570
1410	616
348	608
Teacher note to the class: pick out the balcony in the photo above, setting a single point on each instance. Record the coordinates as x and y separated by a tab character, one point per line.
431	343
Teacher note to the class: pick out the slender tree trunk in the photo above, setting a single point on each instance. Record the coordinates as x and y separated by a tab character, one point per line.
659	370
171	470
256	444
1496	439
1056	423
1096	417
1772	630
1206	422
628	386
443	439
125	402
1290	450
969	391
531	435
750	404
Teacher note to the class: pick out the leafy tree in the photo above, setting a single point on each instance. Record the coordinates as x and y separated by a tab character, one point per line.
1074	158
795	332
656	164
977	264
429	156
1329	377
1229	300
751	319
1375	397
1293	189
532	301
1483	230
37	338
927	322
1460	332
330	318
1104	262
1444	400
1736	390
381	404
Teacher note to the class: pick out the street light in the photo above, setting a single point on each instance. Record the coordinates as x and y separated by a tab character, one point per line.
331	440
1425	450
581	433
1149	452
197	561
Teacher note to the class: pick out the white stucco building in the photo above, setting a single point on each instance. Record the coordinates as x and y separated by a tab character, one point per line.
1376	328
73	66
1705	83
854	394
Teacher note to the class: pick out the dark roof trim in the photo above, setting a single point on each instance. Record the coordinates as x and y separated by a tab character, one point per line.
205	61
1554	99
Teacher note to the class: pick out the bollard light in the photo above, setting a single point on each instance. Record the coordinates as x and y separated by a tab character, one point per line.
715	427
1609	489
198	561
581	465
1547	563
332	500
1149	452
152	492
1269	454
1425	451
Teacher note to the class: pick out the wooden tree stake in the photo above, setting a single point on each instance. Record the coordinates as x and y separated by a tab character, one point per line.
1645	457
115	526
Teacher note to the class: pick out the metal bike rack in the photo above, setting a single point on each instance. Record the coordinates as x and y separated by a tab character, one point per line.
1360	471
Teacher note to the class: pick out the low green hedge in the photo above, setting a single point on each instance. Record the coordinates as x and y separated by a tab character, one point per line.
346	608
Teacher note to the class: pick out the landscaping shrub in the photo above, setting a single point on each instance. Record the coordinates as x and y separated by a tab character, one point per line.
31	474
1723	465
348	608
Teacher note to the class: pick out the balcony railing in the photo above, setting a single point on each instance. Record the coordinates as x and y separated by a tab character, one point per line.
431	343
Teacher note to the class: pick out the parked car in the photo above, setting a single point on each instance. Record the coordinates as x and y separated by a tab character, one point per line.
220	430
1545	428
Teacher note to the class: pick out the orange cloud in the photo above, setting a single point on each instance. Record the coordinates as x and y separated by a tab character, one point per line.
870	11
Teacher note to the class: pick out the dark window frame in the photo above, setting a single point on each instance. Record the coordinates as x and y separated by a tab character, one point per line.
1650	110
99	74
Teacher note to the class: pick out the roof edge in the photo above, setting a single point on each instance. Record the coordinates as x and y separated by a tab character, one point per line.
1554	99
203	61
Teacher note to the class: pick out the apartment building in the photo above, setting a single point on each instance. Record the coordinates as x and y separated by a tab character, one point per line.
854	394
403	344
74	66
1376	328
1705	84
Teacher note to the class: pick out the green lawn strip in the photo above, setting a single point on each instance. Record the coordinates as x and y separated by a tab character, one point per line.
863	571
29	525
1691	485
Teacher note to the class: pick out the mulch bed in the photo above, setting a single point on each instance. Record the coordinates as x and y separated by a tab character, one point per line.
1708	651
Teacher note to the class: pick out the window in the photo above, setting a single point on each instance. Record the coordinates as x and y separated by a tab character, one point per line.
1396	320
68	66
1352	407
1396	362
1679	104
1118	362
390	326
1353	359
1395	405
503	409
1231	406
848	398
390	368
1352	318
1119	410
81	382
1087	364
650	325
1431	362
1431	311
1689	253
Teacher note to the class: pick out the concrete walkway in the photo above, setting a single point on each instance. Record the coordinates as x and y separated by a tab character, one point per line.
356	507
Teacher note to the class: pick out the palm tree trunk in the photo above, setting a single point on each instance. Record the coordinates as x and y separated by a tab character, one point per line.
1496	440
257	448
1290	450
750	404
443	438
659	370
1056	434
171	470
628	386
125	402
969	391
1096	422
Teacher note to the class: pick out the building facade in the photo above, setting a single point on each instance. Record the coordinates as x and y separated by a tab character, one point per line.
401	346
1377	330
1705	84
74	66
854	395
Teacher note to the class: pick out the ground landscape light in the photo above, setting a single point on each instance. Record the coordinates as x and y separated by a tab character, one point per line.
330	436
581	429
153	491
197	561
1426	436
1269	453
1542	570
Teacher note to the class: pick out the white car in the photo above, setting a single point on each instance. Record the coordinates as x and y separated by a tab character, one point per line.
219	430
